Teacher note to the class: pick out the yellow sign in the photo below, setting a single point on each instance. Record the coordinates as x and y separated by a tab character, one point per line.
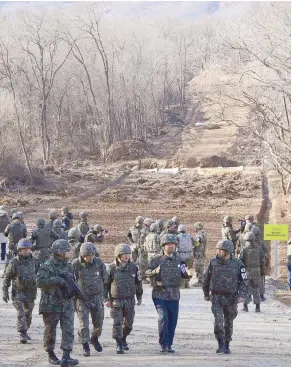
276	232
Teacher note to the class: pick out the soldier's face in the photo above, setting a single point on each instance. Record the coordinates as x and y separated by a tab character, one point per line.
125	258
25	252
88	259
169	248
222	253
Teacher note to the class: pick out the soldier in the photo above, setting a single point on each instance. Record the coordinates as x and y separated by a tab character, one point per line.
67	218
185	251
56	302
167	269
152	242
42	238
227	231
4	221
160	225
95	235
253	258
249	219
134	236
200	245
53	215
91	274
15	231
21	218
169	228
59	230
82	224
74	237
122	284
142	252
225	278
22	271
256	231
241	242
176	222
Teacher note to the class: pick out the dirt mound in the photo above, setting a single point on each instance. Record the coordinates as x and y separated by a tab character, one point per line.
127	150
217	161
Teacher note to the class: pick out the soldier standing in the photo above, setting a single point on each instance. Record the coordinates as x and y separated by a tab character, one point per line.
185	251
59	230
122	284
95	235
152	242
227	231
142	252
225	278
253	258
176	222
167	269
83	226
22	271
200	245
160	225
134	236
91	274
74	237
169	228
53	215
42	238
56	303
67	218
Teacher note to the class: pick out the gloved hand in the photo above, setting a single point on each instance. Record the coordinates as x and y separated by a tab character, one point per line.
62	282
139	301
207	297
5	297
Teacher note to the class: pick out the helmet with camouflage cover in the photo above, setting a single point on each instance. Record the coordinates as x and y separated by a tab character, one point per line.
122	249
249	236
16	215
83	215
175	220
153	227
60	247
57	223
255	230
182	228
97	228
87	249
13	210
148	221
168	238
74	232
41	222
248	227
53	215
227	219
226	245
139	220
249	217
24	243
169	223
65	209
198	226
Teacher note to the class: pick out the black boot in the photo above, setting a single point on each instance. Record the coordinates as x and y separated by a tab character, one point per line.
125	344
227	350
257	308
22	337
86	350
53	358
66	359
220	346
96	344
245	308
263	298
120	347
27	336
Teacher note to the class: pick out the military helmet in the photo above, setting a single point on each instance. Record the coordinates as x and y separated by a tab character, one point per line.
88	249
122	249
255	230
24	243
175	220
13	210
41	222
198	226
139	220
16	215
227	219
248	227
159	223
249	236
60	246
65	209
97	228
74	232
53	214
83	215
3	213
169	223
182	228
226	245
57	223
249	217
148	221
153	227
168	238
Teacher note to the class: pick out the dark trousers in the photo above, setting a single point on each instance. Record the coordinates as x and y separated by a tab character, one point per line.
167	320
3	251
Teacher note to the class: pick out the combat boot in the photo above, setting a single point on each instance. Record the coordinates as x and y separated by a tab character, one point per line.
220	346
263	298
53	358
86	350
227	349
120	347
245	308
27	336
22	337
125	344
257	308
96	344
66	359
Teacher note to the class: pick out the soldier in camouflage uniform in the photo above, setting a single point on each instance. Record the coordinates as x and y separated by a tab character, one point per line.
142	252
225	278
185	250
152	242
167	269
53	215
74	236
160	225
169	228
121	286
227	231
95	235
91	274
256	231
134	236
253	258
22	271
59	230
83	226
15	231
42	238
67	218
56	302
200	246
176	222
241	242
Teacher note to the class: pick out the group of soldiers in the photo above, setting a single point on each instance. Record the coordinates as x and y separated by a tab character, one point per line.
66	266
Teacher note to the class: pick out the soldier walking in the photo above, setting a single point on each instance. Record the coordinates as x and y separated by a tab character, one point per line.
259	242
200	245
225	278
152	242
227	230
134	236
91	274
123	283
142	252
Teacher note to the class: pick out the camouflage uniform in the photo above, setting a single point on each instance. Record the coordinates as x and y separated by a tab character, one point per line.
67	219
53	215
160	224
185	250
142	252
253	258
42	238
95	235
121	286
226	280
22	272
134	237
152	242
83	227
262	245
74	242
58	229
200	245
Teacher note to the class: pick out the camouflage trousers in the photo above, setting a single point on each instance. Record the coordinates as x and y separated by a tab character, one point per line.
199	269
24	313
122	312
95	308
224	309
143	263
42	254
51	320
10	254
254	286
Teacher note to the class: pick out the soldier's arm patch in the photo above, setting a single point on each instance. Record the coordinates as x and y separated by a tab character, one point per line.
243	274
